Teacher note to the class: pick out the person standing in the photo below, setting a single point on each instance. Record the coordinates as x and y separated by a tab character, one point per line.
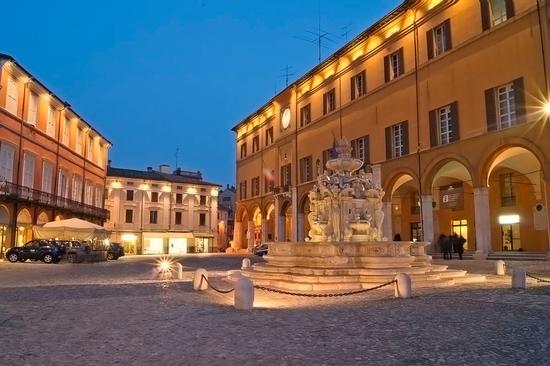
460	245
441	244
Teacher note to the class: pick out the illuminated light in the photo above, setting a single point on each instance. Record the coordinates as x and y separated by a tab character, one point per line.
166	188
393	30
128	237
165	265
433	4
191	190
143	187
21	228
546	108
508	219
357	54
214	192
116	184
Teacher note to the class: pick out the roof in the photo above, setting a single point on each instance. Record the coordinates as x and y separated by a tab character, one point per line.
405	5
178	176
7	57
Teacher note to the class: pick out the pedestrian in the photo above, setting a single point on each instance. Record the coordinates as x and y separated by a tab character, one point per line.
460	248
449	246
441	244
456	244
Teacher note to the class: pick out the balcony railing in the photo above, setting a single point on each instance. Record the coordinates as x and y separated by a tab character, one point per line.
16	192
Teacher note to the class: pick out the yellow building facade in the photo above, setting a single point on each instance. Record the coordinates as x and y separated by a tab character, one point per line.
444	100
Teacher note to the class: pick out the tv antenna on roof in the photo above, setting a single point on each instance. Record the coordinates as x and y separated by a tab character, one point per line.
318	35
346	31
286	73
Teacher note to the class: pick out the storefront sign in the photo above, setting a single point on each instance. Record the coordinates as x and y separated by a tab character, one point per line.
451	197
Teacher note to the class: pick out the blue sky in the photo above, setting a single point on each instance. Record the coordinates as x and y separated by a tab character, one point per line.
156	76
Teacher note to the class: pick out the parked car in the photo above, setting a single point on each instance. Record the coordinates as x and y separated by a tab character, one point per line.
77	251
48	251
260	250
115	251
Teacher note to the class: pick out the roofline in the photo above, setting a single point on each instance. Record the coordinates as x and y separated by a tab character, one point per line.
198	181
400	9
10	58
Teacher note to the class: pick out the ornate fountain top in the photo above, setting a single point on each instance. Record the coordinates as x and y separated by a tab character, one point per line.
345	205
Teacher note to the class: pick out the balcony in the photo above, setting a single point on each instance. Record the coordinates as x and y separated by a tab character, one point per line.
13	192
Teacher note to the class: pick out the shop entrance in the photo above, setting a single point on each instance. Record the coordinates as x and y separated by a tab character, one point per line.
510	237
460	227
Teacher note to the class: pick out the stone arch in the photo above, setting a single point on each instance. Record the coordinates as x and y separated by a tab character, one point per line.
434	167
269	226
4	228
403	217
241	212
268	207
396	179
4	215
42	218
303	223
24	227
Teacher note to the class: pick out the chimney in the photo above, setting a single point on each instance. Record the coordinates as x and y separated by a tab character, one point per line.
164	168
149	168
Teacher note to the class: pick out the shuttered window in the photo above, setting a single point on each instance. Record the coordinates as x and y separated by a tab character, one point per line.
360	149
397	140
47	177
28	170
7	154
358	85
439	39
505	105
444	126
394	65
33	109
50	123
306	169
305	115
329	101
78	143
495	12
66	132
11	97
77	188
63	184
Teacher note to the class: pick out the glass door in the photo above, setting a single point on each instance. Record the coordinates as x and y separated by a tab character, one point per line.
460	227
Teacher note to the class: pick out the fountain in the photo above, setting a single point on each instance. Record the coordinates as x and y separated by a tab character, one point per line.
345	248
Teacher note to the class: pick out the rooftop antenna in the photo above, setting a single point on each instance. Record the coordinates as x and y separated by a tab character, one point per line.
318	35
177	153
286	73
346	31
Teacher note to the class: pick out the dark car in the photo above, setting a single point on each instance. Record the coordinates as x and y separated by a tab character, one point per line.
48	251
77	251
115	251
260	250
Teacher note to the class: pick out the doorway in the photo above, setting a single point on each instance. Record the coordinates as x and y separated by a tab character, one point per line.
460	227
510	237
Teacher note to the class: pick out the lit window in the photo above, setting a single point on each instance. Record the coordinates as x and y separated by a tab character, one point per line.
506	106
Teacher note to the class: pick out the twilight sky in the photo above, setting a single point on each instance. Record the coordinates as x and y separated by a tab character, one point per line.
156	76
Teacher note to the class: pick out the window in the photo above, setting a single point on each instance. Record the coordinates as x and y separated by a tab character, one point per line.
255	144
269	136
358	85
439	39
179	198
360	149
507	192
255	186
202	219
89	193
505	105
66	132
129	195
129	216
12	95
28	170
202	200
153	216
78	143
47	177
178	218
444	125
416	231
50	125
90	148
154	196
415	203
393	65
63	184
327	155
329	101
285	176
33	109
269	181
7	154
242	190
397	140
98	196
306	169
495	12
243	150
76	193
305	115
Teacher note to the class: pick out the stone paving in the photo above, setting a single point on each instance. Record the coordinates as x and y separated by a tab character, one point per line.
115	313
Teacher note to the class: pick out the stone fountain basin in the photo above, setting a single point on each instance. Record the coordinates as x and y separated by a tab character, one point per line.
378	254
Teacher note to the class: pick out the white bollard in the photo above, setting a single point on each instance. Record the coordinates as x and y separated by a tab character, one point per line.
199	284
244	294
246	264
403	286
179	269
519	278
500	268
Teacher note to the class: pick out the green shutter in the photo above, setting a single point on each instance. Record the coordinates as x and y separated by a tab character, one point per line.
389	154
430	43
434	131
490	109
519	96
485	15
455	134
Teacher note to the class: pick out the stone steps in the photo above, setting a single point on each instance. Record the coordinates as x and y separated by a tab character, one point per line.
263	268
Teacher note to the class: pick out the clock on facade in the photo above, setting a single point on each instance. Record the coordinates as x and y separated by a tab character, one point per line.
285	118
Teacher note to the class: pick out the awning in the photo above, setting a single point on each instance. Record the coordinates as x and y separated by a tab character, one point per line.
70	229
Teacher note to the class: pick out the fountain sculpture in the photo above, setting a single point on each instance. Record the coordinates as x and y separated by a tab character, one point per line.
345	248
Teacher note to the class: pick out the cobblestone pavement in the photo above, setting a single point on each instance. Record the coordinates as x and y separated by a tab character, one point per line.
115	314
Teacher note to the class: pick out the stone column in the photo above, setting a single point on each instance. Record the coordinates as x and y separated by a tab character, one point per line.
264	230
300	223
427	221
237	235
387	225
483	222
295	211
276	219
250	235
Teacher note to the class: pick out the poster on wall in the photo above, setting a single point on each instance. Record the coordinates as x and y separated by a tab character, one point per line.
452	196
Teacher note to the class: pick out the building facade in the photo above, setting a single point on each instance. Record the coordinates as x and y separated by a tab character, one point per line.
52	161
226	216
162	212
444	100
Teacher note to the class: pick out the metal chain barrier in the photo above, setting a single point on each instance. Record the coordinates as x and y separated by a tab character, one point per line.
537	278
326	295
215	289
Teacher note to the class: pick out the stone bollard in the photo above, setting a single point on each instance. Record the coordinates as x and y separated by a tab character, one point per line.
500	268
244	294
200	284
519	278
179	269
403	286
246	264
